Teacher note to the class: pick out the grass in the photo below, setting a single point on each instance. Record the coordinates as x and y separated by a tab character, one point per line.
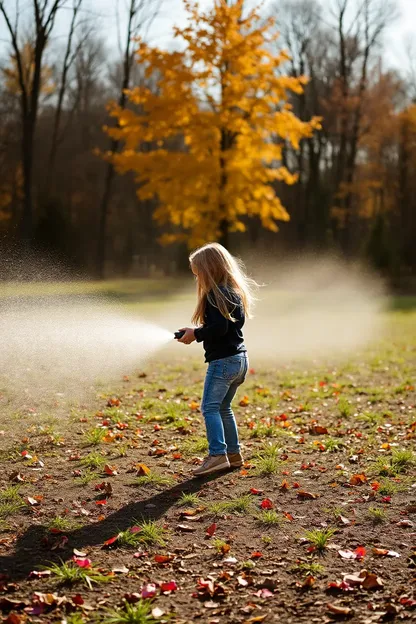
266	461
388	487
333	444
10	507
138	613
72	574
95	436
86	478
377	515
189	500
151	533
344	407
153	478
220	546
10	494
196	445
309	568
93	460
402	460
269	517
63	524
240	505
320	537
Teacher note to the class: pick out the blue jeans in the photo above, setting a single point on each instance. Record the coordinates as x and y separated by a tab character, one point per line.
221	383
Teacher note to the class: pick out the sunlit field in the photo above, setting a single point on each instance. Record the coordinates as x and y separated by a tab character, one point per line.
101	520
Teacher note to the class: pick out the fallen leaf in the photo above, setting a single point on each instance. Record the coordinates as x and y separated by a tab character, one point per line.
82	563
110	470
338	610
167	588
148	591
256	555
157	612
164	558
384	552
358	479
360	552
372	581
185	528
307	495
244	401
211	529
142	470
266	504
120	570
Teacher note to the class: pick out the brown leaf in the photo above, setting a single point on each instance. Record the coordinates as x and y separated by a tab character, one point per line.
307	495
318	430
372	581
358	479
338	610
185	528
164	558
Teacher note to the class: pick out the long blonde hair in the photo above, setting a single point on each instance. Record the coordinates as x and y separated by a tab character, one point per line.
215	267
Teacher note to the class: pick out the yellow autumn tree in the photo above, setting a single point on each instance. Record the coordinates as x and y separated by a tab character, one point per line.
214	127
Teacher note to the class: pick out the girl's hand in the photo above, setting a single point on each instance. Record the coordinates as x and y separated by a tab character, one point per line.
188	336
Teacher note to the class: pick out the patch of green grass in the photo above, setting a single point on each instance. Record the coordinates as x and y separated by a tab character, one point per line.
266	539
388	487
320	537
266	465
308	568
10	507
219	545
269	517
196	445
86	478
10	494
344	407
138	613
189	500
93	460
151	533
64	524
402	460
153	478
72	574
95	436
333	444
377	515
240	505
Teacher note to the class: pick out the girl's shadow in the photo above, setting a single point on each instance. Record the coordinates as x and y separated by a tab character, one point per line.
30	554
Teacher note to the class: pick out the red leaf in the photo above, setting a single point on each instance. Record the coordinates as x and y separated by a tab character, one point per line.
256	555
111	541
256	492
166	588
211	529
266	504
101	502
164	558
110	470
360	552
288	516
78	599
82	563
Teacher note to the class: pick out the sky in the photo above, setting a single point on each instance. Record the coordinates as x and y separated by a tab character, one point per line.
104	15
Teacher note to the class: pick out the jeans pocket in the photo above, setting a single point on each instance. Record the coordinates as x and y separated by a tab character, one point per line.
231	368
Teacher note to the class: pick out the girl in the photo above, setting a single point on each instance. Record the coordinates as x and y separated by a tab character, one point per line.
224	301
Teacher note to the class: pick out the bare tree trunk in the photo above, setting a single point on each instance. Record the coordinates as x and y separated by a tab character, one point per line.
68	61
136	6
29	95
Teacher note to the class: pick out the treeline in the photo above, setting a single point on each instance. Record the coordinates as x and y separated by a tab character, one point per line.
356	192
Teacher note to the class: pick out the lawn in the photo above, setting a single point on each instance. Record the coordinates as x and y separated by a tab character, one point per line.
101	520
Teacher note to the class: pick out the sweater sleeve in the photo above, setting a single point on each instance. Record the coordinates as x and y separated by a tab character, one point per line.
216	327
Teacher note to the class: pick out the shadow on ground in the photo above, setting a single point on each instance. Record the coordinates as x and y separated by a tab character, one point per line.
30	554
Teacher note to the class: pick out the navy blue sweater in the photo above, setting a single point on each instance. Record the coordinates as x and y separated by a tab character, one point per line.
221	337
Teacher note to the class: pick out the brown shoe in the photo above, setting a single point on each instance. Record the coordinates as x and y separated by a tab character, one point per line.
235	459
211	464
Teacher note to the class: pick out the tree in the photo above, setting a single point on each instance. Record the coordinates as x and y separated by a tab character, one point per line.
214	127
44	14
141	13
